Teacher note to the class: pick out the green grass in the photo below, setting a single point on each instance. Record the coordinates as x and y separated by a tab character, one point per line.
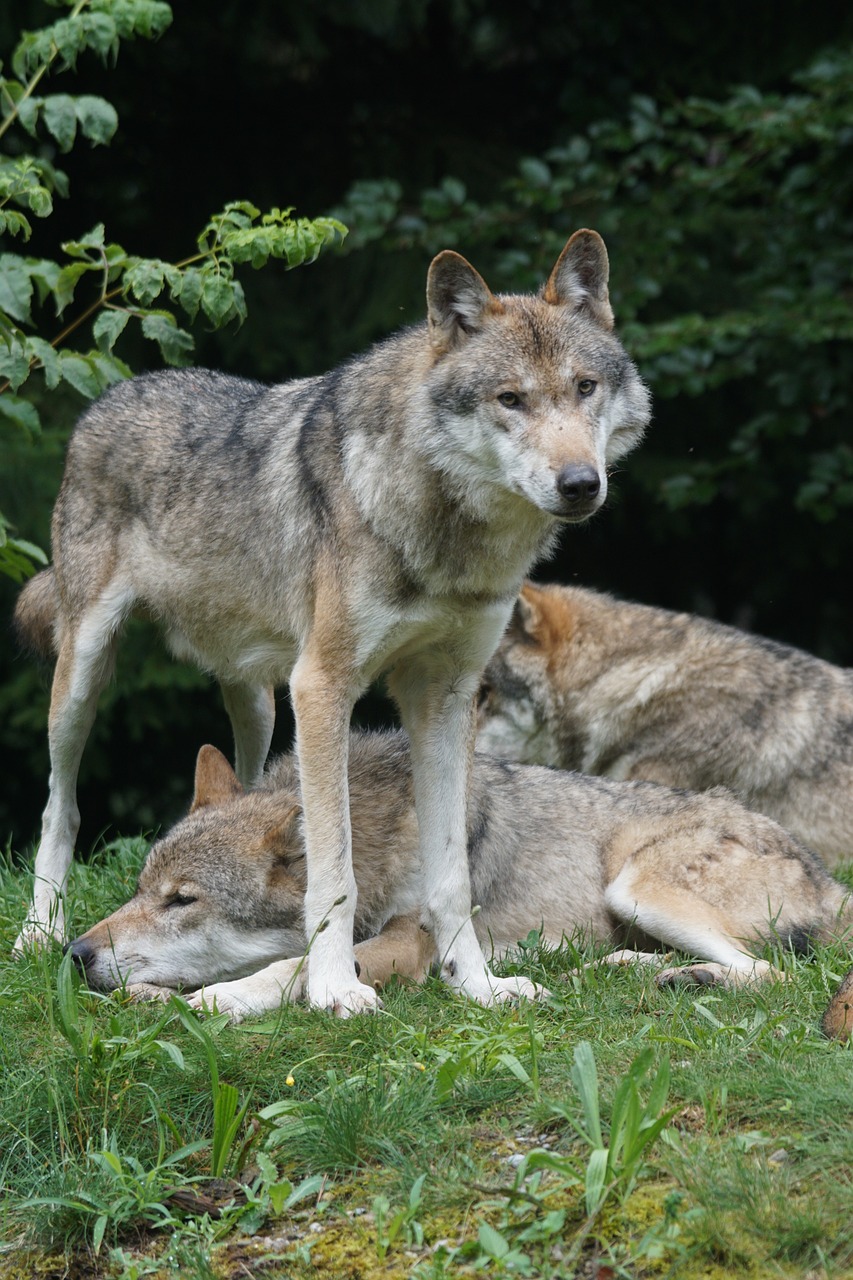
657	1132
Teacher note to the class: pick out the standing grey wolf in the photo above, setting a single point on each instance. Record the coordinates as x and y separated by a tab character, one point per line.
220	899
377	519
583	681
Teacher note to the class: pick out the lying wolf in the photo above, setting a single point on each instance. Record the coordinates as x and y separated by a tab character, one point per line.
583	681
377	519
220	900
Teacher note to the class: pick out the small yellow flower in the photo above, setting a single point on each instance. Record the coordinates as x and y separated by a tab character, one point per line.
290	1081
420	1066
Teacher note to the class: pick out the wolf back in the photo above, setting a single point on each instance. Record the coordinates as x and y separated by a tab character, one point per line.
584	681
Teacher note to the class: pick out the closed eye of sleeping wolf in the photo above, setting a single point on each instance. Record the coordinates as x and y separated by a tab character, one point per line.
379	518
220	899
583	681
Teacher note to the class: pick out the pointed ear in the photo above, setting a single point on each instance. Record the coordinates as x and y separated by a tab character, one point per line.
279	836
580	276
458	301
543	617
527	614
215	781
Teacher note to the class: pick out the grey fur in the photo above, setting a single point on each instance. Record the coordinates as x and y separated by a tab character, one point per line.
377	519
584	681
559	852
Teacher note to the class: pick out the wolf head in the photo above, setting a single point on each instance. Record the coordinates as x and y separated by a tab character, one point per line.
220	896
538	391
518	702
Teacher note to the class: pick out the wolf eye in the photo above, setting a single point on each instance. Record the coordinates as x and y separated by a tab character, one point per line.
510	399
180	900
586	386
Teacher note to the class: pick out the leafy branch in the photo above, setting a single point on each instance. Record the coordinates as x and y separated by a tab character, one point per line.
127	288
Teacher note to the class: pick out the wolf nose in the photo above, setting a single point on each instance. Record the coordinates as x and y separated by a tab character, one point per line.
579	484
81	952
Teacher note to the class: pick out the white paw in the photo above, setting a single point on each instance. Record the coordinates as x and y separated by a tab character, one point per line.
515	989
346	1001
486	989
35	934
141	991
708	974
223	997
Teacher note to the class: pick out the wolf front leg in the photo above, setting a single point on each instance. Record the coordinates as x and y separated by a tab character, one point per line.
437	709
83	667
322	703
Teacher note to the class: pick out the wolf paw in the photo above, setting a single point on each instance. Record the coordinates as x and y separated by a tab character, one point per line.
221	997
347	1001
492	990
137	992
517	989
695	975
35	935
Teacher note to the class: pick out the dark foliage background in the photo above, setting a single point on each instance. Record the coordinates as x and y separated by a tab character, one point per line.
458	123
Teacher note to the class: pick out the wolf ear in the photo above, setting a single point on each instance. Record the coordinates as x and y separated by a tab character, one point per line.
215	781
580	276
527	614
278	835
543	617
458	301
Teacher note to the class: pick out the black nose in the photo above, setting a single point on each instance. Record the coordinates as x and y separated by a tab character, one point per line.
578	484
81	952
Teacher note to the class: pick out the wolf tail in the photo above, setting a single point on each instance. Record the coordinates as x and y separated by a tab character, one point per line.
36	615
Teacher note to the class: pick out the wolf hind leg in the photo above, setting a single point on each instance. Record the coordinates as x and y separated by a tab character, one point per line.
84	665
251	710
682	918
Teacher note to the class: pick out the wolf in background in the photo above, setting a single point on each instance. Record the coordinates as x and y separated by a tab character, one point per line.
379	518
220	900
583	681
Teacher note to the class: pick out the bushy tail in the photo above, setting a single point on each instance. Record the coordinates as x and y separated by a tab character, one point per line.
36	615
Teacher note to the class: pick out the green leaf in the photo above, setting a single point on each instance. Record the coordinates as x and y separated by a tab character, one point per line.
60	119
66	283
491	1241
28	112
17	556
21	412
16	288
93	239
217	299
585	1079
172	1051
187	291
108	328
80	372
174	343
98	1233
535	172
98	118
15	364
145	279
44	275
13	223
596	1179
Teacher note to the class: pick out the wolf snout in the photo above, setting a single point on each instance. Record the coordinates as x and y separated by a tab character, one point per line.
82	952
578	485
